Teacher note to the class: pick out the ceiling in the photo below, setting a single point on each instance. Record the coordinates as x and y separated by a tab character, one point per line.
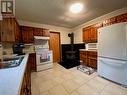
56	12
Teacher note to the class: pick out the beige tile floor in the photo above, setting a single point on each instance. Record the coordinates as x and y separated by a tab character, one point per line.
61	81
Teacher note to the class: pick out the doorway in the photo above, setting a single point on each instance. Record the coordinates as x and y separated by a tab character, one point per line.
55	45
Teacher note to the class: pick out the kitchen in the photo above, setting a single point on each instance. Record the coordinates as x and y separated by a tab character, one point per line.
27	29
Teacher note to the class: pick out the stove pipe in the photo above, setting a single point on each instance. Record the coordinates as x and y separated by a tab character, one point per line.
71	35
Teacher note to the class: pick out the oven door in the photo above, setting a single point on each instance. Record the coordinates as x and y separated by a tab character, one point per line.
44	57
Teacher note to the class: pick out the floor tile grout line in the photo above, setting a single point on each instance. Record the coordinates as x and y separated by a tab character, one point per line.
102	89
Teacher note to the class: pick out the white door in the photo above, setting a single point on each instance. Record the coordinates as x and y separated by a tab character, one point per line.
112	41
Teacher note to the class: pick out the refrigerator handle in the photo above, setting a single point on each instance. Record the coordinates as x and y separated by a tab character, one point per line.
119	63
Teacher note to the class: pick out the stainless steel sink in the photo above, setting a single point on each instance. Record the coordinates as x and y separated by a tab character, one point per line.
11	62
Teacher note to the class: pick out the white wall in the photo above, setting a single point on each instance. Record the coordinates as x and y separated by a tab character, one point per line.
63	31
78	30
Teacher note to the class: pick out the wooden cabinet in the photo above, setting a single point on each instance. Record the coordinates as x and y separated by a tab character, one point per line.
41	32
89	58
121	18
83	57
27	34
18	36
92	59
86	34
90	33
46	32
110	21
10	30
26	84
32	61
0	30
38	32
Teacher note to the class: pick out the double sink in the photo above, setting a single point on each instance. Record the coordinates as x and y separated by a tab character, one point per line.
11	62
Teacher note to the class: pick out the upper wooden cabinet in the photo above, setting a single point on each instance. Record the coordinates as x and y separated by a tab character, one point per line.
90	33
109	21
41	32
121	18
10	31
86	34
46	32
38	32
27	34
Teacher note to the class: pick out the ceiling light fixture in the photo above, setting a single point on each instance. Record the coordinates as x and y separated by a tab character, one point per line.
76	8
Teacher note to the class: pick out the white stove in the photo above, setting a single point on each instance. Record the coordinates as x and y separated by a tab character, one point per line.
44	57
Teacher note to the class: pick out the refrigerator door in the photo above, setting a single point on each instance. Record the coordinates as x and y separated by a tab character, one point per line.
112	41
115	70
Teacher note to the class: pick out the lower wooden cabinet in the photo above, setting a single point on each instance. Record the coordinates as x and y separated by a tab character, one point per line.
89	58
32	61
26	84
83	58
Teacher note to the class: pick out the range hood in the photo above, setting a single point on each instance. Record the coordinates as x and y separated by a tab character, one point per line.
41	38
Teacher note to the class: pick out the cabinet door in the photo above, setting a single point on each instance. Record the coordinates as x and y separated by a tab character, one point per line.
83	57
86	35
46	32
92	62
23	87
93	34
92	59
28	78
38	32
32	61
17	32
27	34
8	30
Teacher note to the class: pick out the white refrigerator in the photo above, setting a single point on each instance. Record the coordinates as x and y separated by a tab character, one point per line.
112	53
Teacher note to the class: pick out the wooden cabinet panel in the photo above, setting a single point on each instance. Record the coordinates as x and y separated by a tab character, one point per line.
92	62
92	59
41	32
26	84
32	61
46	32
83	57
27	34
0	30
89	58
10	30
121	18
86	35
18	36
110	21
90	33
93	34
38	32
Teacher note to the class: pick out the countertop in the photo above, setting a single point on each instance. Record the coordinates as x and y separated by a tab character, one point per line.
88	50
11	78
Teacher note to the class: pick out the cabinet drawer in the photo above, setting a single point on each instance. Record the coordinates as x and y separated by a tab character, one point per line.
92	54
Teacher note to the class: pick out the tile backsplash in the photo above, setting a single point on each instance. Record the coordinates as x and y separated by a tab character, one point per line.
7	48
